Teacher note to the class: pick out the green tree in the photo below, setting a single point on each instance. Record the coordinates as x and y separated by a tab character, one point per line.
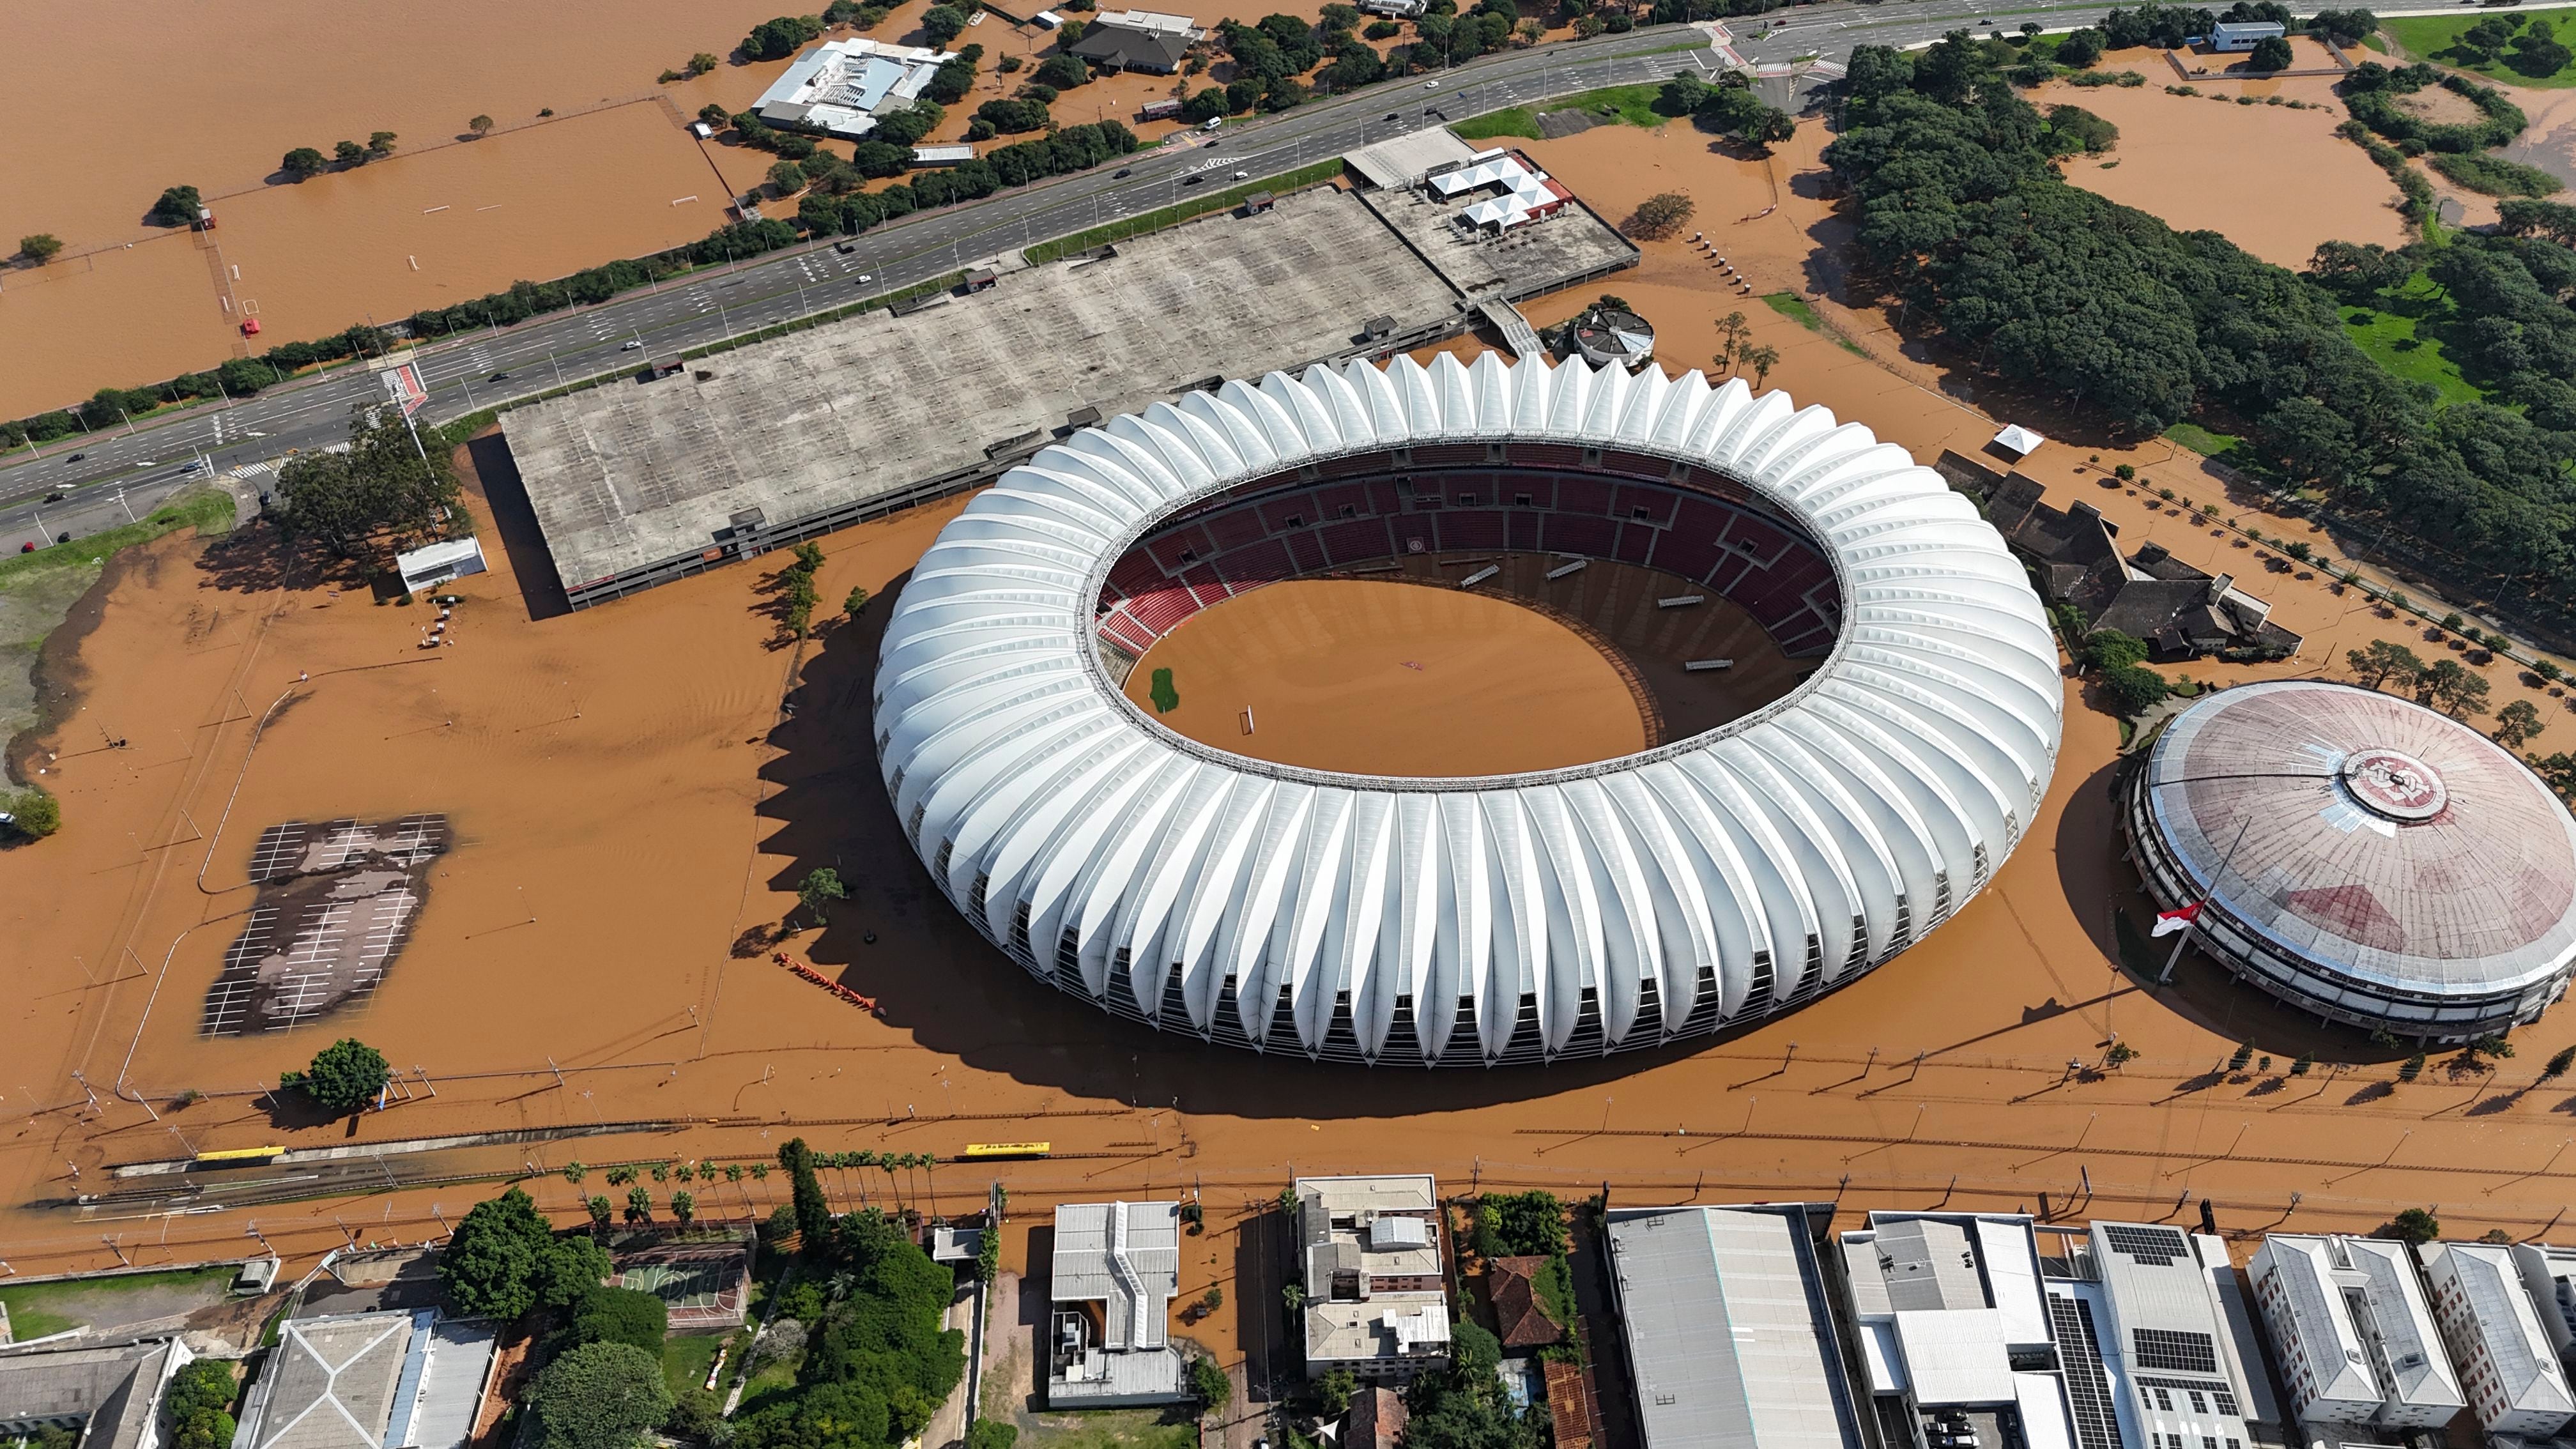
575	1170
599	1396
1659	216
1509	1223
2453	689
601	1210
1761	357
503	1261
780	38
620	1315
1335	1389
1064	72
684	1206
349	153
302	162
383	491
850	606
813	1209
2382	661
2133	689
1208	1381
940	24
701	63
198	1401
989	1433
639	1204
32	814
2271	53
39	247
821	886
481	126
2073	128
380	143
342	1077
177	206
2079	49
786	178
2411	1225
2557	1066
2516	723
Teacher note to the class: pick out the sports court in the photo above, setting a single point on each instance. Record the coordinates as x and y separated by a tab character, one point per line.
704	1285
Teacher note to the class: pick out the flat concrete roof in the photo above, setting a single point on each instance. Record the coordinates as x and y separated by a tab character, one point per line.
631	474
1542	256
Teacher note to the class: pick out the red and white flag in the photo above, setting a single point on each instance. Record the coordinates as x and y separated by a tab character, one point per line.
2178	919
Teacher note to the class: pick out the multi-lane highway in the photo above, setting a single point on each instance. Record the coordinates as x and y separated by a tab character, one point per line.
104	478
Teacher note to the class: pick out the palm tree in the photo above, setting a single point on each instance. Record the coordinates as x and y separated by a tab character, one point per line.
639	1205
684	1207
599	1211
887	1161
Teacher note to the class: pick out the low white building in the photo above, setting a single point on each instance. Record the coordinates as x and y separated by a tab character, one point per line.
2355	1339
2508	1366
426	568
2235	35
1114	1272
1524	193
1725	1315
1954	1331
1377	1300
2157	1341
839	86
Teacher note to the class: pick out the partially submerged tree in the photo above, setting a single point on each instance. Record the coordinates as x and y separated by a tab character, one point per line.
388	486
342	1077
1659	216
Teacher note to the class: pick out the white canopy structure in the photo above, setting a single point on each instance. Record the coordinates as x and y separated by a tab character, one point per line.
1700	883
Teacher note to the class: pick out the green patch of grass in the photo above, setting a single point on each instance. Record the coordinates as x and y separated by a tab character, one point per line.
2199	439
1109	1429
38	1309
1624	105
1555	1288
1509	121
199	509
2393	342
2431	37
1232	196
1797	309
2376	41
1166	699
685	1359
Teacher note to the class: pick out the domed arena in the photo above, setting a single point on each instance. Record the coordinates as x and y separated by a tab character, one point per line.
1837	707
2361	857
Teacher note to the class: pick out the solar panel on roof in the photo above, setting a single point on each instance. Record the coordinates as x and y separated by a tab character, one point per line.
2152	1247
2165	1348
2096	1423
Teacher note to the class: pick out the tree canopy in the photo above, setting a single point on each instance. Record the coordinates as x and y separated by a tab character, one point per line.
620	1315
386	487
199	1402
504	1260
342	1077
877	1362
599	1396
1513	1223
780	38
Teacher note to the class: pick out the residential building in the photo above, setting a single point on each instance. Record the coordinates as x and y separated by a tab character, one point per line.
1729	1329
1521	1316
2157	1342
1955	1333
1376	1419
2549	1275
107	1393
1377	1300
1138	40
1115	1269
839	86
2235	35
2352	1332
2508	1366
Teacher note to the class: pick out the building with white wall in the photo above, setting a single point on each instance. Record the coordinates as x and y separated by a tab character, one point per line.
2158	1342
2508	1366
1377	1299
838	87
1115	1270
1955	1331
2353	1332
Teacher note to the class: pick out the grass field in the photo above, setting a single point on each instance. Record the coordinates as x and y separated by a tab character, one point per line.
200	509
2200	440
1798	310
2390	339
38	1309
1630	105
685	1359
2430	37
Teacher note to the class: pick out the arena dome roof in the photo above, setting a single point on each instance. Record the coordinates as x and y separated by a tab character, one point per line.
2387	848
1494	919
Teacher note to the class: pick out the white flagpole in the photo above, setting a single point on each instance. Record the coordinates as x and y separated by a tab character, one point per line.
2176	958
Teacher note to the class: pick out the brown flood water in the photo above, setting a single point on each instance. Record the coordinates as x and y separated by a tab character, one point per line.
1386	678
534	200
2273	180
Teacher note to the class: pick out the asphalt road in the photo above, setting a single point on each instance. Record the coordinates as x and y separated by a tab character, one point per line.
108	477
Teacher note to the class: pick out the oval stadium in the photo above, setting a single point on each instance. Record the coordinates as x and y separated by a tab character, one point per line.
1885	748
2361	857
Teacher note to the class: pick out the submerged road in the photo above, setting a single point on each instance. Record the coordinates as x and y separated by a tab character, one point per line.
85	483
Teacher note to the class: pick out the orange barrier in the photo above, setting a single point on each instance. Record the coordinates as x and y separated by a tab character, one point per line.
867	1004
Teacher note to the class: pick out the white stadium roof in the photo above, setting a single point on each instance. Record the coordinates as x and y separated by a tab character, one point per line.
1739	871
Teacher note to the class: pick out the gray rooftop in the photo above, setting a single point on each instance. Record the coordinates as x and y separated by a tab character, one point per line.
2527	1371
1724	1315
329	1384
114	1392
1126	1256
1402	160
631	474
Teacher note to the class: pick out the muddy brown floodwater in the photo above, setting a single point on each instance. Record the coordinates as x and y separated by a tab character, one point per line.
1385	678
